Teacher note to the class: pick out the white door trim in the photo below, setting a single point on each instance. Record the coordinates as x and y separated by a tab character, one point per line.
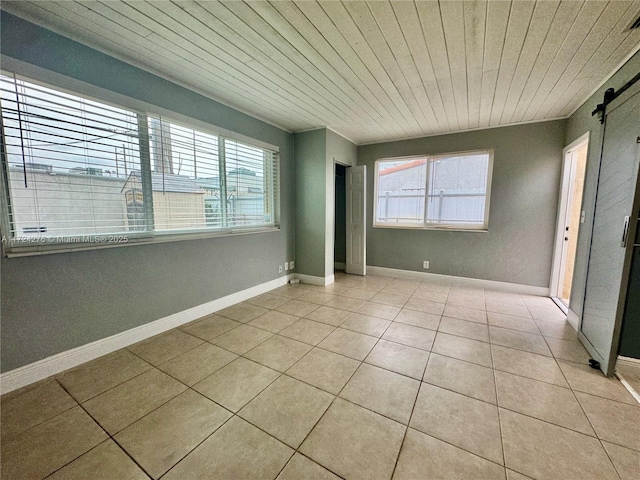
568	175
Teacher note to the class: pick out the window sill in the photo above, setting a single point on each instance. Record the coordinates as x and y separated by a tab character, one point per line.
51	247
439	229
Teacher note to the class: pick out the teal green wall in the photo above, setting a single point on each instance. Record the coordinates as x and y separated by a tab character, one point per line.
53	303
522	217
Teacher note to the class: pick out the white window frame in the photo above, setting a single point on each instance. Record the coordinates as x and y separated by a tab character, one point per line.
424	225
49	79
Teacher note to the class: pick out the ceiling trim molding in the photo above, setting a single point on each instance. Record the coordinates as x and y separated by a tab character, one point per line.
442	134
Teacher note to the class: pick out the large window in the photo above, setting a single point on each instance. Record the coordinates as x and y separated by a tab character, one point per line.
84	172
442	191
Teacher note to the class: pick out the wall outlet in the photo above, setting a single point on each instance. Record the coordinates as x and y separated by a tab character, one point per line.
286	266
279	268
425	264
291	264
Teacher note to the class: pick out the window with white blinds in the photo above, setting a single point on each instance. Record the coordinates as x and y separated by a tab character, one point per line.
81	171
442	191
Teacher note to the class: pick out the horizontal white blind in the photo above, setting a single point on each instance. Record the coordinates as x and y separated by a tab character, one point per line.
202	180
68	161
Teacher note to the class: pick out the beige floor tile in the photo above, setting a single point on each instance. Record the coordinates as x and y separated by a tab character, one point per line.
463	349
325	370
626	461
423	294
425	306
298	308
287	409
461	377
242	312
238	450
418	319
196	364
543	401
32	405
555	329
507	309
533	301
122	405
268	300
511	475
365	324
409	335
463	328
571	350
613	421
318	298
382	391
107	461
465	313
300	467
390	299
359	293
503	297
242	339
160	348
308	331
395	288
354	442
386	312
425	457
274	321
528	342
434	287
236	384
512	322
278	352
585	379
399	358
41	450
99	375
348	343
290	291
161	439
547	314
210	327
475	302
462	421
545	451
330	316
346	303
525	364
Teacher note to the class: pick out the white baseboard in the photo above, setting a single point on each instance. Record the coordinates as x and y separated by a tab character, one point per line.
573	319
55	364
313	280
469	282
339	265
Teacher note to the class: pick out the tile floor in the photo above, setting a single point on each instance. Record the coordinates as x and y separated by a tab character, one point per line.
370	378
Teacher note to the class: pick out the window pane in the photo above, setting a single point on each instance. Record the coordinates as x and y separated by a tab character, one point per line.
457	189
68	161
185	177
401	190
249	184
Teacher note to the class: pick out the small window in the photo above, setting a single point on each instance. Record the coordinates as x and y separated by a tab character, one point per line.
444	191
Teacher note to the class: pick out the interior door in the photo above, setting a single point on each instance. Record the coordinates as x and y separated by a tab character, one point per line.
609	259
356	228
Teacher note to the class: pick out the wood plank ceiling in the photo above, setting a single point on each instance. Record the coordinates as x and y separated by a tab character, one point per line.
372	71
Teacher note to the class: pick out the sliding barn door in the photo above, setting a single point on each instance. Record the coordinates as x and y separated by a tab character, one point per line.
356	227
610	256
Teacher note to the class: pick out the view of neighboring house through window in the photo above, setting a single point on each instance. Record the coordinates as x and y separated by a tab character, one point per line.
76	169
443	191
